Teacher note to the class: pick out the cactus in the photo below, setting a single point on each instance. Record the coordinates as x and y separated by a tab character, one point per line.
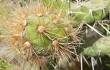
42	36
99	48
88	12
38	35
91	11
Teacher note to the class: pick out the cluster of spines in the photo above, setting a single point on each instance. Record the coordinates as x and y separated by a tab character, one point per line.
21	48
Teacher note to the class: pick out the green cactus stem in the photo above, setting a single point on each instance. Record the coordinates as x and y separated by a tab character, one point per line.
39	31
99	48
88	12
42	32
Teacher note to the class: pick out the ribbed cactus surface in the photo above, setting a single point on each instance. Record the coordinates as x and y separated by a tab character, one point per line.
40	34
46	30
